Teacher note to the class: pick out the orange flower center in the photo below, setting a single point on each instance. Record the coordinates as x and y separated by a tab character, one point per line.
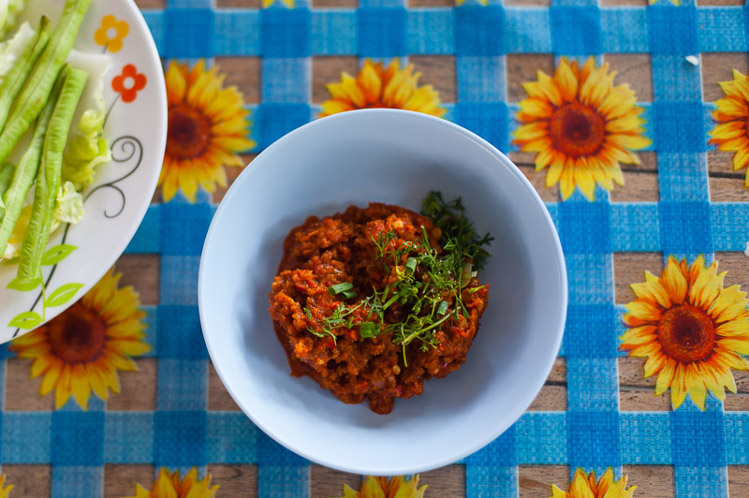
189	133
78	335
576	130
686	333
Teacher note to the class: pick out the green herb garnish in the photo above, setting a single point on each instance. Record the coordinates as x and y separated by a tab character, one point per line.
428	283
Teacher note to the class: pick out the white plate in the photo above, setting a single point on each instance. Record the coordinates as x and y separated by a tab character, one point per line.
123	189
395	157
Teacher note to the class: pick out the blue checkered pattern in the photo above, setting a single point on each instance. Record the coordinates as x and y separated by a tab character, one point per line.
593	433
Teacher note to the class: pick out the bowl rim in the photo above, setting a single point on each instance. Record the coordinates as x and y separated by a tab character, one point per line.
515	413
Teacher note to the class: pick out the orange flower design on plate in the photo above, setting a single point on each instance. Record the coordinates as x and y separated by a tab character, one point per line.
129	83
690	329
376	86
111	33
586	486
731	132
83	348
580	126
382	487
171	485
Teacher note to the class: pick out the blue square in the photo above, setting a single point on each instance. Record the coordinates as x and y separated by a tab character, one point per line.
491	481
182	385
183	227
128	437
584	227
155	21
486	119
231	438
77	482
722	29
146	239
333	32
26	437
270	453
179	438
77	438
734	230
237	33
591	280
634	227
179	280
430	31
675	79
479	30
285	80
575	30
593	439
736	431
382	31
702	481
682	176
285	32
592	384
499	453
527	31
689	136
281	481
590	331
672	30
480	79
272	121
685	227
624	30
180	335
697	439
645	438
188	33
541	438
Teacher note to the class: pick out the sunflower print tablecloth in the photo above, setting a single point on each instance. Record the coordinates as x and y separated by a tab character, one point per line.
629	119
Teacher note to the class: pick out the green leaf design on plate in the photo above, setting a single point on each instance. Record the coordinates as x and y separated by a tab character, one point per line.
25	284
61	295
56	254
26	320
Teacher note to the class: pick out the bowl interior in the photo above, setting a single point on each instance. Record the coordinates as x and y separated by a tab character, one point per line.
394	157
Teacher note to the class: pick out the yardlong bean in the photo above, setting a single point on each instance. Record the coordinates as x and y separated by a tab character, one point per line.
18	75
38	86
28	166
49	177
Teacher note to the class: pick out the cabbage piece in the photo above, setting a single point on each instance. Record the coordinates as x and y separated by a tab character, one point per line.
12	49
9	15
86	149
69	205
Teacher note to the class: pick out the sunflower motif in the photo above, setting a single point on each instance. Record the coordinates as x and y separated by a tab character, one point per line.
288	3
731	132
691	330
4	490
382	487
207	127
376	86
586	486
171	486
83	348
580	126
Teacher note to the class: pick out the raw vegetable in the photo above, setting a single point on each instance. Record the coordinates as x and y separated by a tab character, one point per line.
6	174
39	85
26	171
11	49
10	10
20	71
49	177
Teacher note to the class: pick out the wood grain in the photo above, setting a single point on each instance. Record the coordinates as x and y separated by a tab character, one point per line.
143	273
652	481
534	481
120	480
234	480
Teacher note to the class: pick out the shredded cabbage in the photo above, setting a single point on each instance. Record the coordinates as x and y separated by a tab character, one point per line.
86	149
11	49
9	11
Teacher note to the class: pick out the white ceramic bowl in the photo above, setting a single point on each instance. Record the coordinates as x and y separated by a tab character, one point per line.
395	157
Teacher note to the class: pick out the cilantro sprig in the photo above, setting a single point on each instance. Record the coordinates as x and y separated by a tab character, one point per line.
428	283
